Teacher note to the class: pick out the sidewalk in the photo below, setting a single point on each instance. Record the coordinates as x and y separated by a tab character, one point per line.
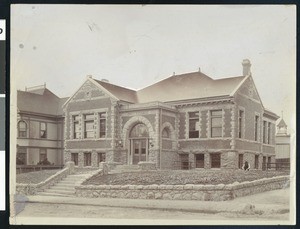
267	202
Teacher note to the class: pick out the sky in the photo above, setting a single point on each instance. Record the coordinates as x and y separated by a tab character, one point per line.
137	45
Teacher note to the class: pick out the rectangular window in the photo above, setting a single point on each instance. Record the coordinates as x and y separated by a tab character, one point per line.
269	161
216	123
102	117
76	129
43	130
89	126
241	161
256	162
194	124
87	159
74	157
184	159
22	156
264	132
215	159
101	157
256	127
43	155
269	133
22	129
264	164
241	123
199	158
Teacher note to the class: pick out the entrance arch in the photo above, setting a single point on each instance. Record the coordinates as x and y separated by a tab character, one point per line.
139	143
136	135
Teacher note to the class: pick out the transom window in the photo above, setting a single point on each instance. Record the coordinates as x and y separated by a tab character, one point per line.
22	129
89	126
216	123
194	124
43	131
139	130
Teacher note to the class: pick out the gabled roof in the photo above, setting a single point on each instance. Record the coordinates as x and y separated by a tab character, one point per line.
179	87
188	86
41	101
121	93
281	123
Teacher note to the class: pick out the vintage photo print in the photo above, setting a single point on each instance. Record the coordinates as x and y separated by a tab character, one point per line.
153	114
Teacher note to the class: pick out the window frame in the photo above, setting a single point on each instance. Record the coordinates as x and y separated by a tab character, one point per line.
216	127
43	153
192	134
197	164
264	132
75	120
256	128
43	133
87	159
241	122
102	120
89	120
22	153
75	157
219	160
24	132
256	161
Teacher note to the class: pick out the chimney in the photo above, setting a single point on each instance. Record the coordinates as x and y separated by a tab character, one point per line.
246	67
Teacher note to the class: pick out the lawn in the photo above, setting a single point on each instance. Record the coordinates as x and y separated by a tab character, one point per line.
35	177
177	177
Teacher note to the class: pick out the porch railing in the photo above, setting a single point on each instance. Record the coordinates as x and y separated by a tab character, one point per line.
276	166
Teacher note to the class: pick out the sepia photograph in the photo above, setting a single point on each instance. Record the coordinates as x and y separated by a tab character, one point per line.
152	114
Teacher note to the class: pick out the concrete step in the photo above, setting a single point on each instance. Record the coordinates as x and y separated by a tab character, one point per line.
56	187
60	191
53	194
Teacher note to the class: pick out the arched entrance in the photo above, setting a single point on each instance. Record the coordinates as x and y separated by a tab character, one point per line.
139	143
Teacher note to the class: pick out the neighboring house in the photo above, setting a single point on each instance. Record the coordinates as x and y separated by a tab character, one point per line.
40	127
189	119
282	143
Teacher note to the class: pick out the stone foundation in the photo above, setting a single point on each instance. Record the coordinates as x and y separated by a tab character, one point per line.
145	165
219	192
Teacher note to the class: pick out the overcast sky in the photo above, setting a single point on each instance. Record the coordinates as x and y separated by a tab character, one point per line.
134	46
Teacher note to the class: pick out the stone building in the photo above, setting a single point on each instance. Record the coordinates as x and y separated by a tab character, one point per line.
282	143
40	126
184	121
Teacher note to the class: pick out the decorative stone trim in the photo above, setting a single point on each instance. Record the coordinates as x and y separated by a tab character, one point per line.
218	192
172	133
233	127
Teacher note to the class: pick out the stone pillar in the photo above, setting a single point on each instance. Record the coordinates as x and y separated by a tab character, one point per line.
80	160
104	166
71	166
260	160
109	156
229	160
94	158
192	160
207	161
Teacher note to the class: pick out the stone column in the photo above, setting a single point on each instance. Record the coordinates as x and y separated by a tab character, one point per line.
71	166
207	161
80	160
192	160
94	159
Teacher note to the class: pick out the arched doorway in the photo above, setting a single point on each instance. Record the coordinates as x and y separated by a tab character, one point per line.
139	141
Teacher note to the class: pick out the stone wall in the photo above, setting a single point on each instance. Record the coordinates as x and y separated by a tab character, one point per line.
219	192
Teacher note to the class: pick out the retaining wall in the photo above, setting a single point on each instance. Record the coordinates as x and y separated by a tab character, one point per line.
219	192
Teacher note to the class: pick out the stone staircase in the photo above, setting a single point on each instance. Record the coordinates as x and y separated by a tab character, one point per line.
65	187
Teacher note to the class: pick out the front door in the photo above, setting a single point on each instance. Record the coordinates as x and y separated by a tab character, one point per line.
139	150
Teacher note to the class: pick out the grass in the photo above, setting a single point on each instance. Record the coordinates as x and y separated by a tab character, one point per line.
35	177
176	177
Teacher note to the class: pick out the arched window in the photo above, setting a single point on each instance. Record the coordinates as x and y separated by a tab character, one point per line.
139	130
166	133
22	126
